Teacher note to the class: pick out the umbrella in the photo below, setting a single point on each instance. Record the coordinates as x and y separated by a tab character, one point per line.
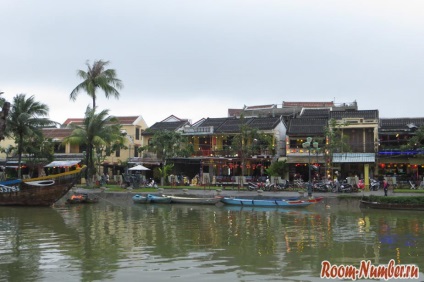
139	167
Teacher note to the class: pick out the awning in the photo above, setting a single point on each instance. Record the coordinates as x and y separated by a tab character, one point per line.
63	163
139	167
282	159
353	158
304	159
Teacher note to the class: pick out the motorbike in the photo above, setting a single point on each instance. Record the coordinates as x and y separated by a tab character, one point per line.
322	186
374	185
361	184
152	184
344	187
282	186
251	186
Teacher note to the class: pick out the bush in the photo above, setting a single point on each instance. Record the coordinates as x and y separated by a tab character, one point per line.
414	200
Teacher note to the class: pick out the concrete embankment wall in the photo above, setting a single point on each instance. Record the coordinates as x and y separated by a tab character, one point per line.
330	201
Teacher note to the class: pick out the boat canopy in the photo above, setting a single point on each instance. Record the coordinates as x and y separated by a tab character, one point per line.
66	163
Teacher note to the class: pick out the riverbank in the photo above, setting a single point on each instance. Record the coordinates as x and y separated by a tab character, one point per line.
332	201
211	192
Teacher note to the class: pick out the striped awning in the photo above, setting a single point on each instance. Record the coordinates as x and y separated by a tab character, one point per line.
353	158
66	163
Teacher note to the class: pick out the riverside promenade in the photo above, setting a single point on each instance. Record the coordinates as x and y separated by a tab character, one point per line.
211	192
331	201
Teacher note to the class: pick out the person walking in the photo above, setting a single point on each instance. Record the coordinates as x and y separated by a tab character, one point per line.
385	186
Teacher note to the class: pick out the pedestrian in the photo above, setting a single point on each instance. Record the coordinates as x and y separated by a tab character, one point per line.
385	186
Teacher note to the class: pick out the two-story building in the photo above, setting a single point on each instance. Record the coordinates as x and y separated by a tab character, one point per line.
394	157
68	155
212	138
358	128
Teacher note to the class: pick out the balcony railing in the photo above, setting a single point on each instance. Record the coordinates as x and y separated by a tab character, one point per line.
198	130
227	153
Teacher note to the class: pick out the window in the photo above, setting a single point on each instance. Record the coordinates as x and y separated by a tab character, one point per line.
59	148
137	134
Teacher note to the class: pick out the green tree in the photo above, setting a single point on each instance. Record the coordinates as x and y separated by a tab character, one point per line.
249	141
39	150
167	144
416	141
163	172
277	169
97	77
336	142
98	132
25	121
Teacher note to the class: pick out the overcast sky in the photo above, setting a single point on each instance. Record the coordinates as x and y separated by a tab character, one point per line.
197	58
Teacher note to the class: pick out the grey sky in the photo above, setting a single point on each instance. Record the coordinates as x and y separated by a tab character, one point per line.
197	58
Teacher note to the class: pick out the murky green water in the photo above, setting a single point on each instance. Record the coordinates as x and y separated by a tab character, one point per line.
111	242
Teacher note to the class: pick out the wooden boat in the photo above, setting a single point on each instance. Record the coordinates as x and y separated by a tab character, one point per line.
158	199
139	199
315	200
265	202
194	200
82	198
42	191
391	206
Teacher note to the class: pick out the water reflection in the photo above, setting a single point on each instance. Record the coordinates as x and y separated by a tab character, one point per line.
110	242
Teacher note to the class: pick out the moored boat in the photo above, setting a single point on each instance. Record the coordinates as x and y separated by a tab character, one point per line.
194	200
82	198
391	206
265	202
139	199
42	191
315	200
158	199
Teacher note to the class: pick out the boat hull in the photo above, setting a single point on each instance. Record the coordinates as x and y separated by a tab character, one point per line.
43	191
265	203
139	199
391	206
194	200
82	198
158	199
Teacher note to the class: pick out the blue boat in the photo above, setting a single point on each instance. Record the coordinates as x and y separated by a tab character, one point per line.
139	199
158	199
265	202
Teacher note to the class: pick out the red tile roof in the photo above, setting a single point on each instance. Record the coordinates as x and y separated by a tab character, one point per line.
57	132
122	120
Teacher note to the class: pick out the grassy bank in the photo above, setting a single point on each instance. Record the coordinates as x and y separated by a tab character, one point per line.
413	200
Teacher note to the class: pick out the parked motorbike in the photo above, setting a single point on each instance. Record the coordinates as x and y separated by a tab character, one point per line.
374	185
361	184
344	187
282	186
251	186
152	184
322	186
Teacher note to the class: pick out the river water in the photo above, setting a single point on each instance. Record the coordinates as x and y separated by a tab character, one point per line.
121	241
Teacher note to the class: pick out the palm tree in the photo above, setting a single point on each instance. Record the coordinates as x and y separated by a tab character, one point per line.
24	122
97	131
96	77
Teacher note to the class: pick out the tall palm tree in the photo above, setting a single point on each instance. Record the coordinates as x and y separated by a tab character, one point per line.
97	130
97	77
25	121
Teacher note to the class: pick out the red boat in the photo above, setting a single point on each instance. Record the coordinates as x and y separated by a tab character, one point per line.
315	200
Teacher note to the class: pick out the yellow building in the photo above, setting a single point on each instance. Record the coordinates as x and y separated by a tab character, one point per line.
132	128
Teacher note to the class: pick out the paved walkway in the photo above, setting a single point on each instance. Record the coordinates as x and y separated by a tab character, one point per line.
244	193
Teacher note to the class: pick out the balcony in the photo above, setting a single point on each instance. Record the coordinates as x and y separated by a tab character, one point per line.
207	152
205	130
